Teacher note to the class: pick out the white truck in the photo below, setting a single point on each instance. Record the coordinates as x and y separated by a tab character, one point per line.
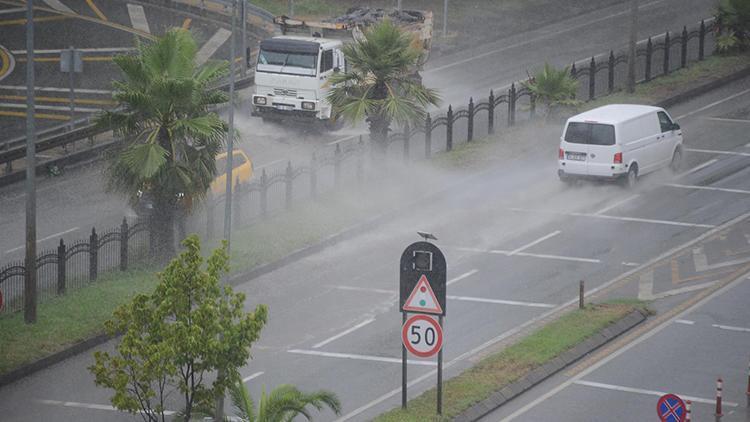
292	71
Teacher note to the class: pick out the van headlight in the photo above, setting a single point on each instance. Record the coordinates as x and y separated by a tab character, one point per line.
259	100
308	105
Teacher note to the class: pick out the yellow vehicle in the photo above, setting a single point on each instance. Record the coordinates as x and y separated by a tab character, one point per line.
242	169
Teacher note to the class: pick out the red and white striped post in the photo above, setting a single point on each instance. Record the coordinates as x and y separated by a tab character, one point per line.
719	387
688	415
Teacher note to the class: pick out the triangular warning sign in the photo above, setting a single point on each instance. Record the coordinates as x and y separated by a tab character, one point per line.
422	299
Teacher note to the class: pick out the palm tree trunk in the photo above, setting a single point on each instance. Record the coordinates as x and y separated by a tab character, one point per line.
162	226
379	127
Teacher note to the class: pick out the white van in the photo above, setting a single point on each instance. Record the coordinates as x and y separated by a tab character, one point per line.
619	142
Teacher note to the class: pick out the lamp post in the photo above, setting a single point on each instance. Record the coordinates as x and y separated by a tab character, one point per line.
29	289
632	45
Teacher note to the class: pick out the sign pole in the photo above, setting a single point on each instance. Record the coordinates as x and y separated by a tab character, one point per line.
72	88
440	375
403	366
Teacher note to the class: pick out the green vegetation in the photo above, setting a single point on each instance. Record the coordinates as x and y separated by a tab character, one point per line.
733	23
554	88
500	369
175	338
170	136
69	319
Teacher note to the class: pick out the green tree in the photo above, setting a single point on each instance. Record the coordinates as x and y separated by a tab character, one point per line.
174	339
381	84
170	137
554	88
733	25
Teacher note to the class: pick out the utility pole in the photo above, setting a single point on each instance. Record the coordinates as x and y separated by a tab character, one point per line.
291	8
632	45
29	287
399	5
228	199
445	18
243	12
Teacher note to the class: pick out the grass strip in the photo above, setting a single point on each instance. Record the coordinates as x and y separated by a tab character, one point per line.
500	369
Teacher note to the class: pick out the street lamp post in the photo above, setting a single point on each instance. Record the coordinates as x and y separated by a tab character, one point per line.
243	13
632	45
291	8
29	289
445	18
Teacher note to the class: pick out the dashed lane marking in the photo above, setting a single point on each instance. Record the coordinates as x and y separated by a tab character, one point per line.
461	277
361	357
731	328
715	103
57	59
36	20
343	333
59	100
720	152
210	47
57	5
618	218
45	238
630	264
56	89
720	119
96	10
536	242
531	255
253	376
84	50
12	10
138	17
675	185
43	116
698	167
616	204
684	322
54	108
649	392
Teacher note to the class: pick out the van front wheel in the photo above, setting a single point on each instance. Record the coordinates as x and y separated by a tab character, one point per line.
676	161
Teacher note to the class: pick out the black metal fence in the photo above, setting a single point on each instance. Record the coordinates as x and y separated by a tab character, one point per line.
344	166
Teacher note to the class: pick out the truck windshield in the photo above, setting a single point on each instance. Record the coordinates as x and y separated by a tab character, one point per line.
289	63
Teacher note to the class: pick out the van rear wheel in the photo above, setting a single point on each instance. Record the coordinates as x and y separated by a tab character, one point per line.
632	179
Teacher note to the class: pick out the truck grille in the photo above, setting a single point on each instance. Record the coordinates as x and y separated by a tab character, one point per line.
285	92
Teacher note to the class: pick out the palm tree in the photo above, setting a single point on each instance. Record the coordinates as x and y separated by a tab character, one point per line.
553	87
170	137
381	84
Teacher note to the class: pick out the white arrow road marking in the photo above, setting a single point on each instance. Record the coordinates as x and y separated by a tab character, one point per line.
343	333
649	392
361	357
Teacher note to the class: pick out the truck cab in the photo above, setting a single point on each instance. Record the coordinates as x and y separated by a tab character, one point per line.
291	77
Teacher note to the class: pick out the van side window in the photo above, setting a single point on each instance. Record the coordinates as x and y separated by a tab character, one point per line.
665	122
326	62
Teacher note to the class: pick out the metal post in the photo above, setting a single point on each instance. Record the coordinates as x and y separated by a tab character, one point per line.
72	86
291	8
701	39
403	366
688	411
632	45
124	235
580	295
449	129
93	255
245	53
428	137
649	53
61	268
667	46
470	125
683	47
445	18
399	5
611	74
29	290
719	388
440	375
592	79
491	113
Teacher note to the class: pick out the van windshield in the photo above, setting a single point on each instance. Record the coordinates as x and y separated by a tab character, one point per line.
590	133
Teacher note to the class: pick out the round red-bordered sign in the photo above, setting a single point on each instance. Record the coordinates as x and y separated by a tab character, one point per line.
422	336
670	408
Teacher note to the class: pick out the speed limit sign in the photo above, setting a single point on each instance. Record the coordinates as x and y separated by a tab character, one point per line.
422	336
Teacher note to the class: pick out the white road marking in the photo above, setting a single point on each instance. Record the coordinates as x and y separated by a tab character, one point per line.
721	152
646	285
684	321
343	333
461	277
536	242
630	264
731	328
532	255
675	185
138	18
252	377
12	10
501	302
688	289
720	119
85	50
626	347
56	108
520	327
93	406
45	238
210	47
366	289
539	38
715	103
55	89
649	392
361	357
617	204
612	217
699	259
698	167
55	4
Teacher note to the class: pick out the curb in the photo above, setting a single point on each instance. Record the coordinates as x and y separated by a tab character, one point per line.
552	367
341	236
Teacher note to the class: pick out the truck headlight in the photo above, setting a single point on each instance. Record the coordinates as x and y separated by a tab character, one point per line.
259	100
308	105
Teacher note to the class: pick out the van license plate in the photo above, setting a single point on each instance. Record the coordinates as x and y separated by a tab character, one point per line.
576	156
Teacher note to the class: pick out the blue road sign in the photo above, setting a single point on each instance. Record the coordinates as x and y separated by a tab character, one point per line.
670	408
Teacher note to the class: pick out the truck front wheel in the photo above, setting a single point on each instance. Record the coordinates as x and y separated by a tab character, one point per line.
333	123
